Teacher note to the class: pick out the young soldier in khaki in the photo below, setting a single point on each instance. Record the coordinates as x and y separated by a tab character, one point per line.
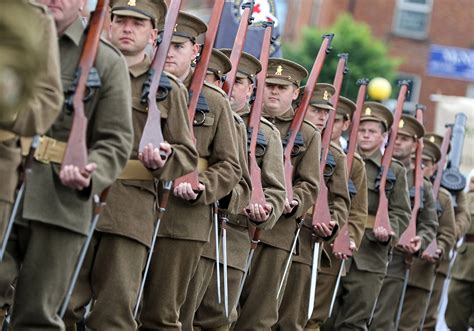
210	314
327	276
409	131
258	302
462	220
119	246
361	286
423	270
186	226
32	112
293	311
57	207
459	313
237	199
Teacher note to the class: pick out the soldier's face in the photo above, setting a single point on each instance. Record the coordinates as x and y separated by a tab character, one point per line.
130	34
370	136
317	116
404	147
64	11
278	98
241	92
179	59
429	168
340	125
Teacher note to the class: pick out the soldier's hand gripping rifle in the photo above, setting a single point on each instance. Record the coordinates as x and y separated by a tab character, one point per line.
452	179
410	232
99	206
257	195
76	149
382	219
197	82
152	133
342	242
291	137
19	195
321	213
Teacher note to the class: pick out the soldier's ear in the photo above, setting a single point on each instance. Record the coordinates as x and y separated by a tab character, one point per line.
296	92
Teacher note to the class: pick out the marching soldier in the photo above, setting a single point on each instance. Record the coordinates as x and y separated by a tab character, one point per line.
459	313
56	209
327	277
211	315
462	221
119	246
30	99
235	201
409	131
258	302
361	286
186	225
293	311
423	269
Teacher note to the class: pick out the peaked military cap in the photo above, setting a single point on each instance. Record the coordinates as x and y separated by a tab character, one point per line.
345	108
409	126
322	96
249	65
436	139
219	64
188	27
375	111
285	72
154	10
431	151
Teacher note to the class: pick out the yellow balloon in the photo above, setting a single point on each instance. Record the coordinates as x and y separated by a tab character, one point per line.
379	89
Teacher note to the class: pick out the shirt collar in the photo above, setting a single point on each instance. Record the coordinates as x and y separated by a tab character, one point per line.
75	31
140	68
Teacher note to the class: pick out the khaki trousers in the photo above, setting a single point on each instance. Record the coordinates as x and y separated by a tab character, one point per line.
413	309
460	311
387	305
432	315
173	265
110	277
48	255
325	286
8	267
210	314
258	302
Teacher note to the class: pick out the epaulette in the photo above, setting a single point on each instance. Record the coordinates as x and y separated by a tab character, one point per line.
41	7
311	125
358	157
216	88
337	148
111	46
263	120
398	162
238	119
173	78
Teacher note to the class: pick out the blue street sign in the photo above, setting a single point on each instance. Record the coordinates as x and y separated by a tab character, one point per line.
451	62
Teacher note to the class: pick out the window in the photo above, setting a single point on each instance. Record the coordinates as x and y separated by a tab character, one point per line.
412	18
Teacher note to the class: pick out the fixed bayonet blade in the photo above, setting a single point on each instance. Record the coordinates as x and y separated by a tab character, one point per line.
314	278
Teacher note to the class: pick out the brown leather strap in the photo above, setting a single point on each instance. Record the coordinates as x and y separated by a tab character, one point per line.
469	238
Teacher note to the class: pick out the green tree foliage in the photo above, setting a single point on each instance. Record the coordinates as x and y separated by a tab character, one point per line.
368	56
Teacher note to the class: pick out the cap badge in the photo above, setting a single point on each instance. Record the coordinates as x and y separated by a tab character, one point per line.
432	139
175	28
368	111
279	70
401	124
326	95
132	3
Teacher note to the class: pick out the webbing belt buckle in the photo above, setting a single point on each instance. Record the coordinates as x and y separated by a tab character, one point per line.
41	154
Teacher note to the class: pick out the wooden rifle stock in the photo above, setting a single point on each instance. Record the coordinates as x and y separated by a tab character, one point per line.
152	133
381	218
301	112
321	212
342	242
257	195
245	20
198	78
76	149
410	231
433	246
